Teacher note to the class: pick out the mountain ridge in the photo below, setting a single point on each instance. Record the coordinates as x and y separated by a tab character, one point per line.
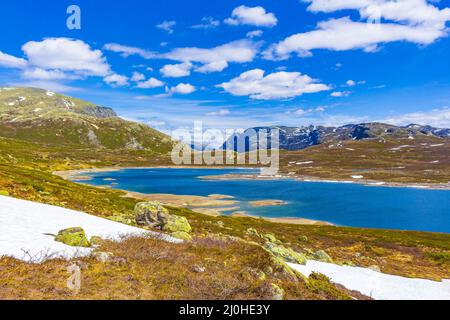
299	138
45	117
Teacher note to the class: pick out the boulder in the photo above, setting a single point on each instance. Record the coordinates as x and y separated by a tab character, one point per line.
286	254
252	232
151	214
4	193
182	235
103	257
176	223
269	237
74	237
322	256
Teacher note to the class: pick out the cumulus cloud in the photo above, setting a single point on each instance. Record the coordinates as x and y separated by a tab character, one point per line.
215	66
150	84
167	26
350	83
47	75
9	61
254	34
207	23
344	34
137	76
256	16
66	55
176	70
182	88
126	51
277	85
210	59
415	21
407	11
116	80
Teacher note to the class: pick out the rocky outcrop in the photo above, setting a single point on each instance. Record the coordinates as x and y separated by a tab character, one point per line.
74	237
285	254
153	214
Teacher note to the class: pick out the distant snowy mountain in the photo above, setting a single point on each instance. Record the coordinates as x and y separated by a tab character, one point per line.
298	138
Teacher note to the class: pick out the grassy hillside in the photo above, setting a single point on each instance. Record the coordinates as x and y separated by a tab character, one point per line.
424	159
56	120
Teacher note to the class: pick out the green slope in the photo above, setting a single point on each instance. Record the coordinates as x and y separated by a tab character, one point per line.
53	119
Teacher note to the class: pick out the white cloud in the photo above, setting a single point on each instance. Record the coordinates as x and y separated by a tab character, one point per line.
47	85
137	76
412	12
207	23
254	34
256	16
277	85
350	83
221	112
116	80
9	61
340	94
126	51
216	66
212	59
344	34
167	26
176	70
183	88
66	55
150	84
437	117
42	74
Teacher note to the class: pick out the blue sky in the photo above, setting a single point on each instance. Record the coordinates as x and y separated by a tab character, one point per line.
237	64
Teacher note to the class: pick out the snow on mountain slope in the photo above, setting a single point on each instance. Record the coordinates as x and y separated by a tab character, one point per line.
26	230
378	285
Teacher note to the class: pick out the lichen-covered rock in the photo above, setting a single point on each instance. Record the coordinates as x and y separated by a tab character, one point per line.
269	237
4	193
252	232
182	235
276	292
175	223
322	256
286	254
74	237
151	214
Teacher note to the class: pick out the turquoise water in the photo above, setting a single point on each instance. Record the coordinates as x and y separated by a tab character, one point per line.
339	203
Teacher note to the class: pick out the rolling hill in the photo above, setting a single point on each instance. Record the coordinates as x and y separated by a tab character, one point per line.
52	119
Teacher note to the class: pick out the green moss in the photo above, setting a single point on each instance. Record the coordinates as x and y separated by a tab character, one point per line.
4	193
74	237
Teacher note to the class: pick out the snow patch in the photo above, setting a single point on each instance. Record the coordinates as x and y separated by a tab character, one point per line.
50	94
26	230
378	285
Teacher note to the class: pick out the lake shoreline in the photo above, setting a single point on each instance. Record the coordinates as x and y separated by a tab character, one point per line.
211	205
71	174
